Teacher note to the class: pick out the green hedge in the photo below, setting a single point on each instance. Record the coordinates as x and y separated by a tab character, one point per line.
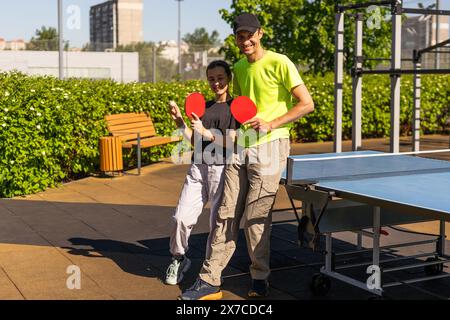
318	126
49	129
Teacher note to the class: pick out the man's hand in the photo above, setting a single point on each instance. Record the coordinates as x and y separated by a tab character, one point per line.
259	125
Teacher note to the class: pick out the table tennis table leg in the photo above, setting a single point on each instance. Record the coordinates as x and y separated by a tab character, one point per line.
441	242
376	236
329	252
359	240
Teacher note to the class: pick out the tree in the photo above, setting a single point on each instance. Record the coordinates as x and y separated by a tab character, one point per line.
46	40
201	40
304	31
200	44
164	67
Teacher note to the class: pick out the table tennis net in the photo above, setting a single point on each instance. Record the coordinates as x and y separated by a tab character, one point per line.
323	169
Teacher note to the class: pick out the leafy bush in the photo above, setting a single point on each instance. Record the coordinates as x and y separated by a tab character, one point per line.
318	126
49	129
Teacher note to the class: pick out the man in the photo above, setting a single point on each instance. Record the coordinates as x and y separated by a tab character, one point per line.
271	80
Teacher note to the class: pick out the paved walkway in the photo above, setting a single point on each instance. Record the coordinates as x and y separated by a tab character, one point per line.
116	231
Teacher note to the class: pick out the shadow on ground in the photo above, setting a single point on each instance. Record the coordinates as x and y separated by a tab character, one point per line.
135	239
293	267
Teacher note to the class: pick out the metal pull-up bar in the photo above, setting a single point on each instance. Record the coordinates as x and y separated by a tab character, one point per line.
426	11
342	8
394	72
418	53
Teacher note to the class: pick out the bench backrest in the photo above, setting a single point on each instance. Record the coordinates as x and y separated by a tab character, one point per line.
126	125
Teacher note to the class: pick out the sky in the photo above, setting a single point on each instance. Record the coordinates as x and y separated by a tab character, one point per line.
19	19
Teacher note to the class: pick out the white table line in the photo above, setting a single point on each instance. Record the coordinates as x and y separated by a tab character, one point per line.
370	155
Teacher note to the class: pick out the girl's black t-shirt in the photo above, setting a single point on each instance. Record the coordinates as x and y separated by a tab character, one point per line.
217	116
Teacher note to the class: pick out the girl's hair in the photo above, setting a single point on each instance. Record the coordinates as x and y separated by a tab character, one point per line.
220	63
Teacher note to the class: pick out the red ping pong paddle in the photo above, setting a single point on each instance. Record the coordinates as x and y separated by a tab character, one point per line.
195	103
243	109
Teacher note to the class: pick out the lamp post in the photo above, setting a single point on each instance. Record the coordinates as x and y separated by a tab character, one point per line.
179	37
60	40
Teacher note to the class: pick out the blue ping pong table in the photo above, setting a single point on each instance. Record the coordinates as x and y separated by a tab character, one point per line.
360	190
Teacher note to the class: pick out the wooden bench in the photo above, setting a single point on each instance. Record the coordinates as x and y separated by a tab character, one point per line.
136	129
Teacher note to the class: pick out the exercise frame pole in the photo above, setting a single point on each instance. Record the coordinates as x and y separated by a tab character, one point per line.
357	85
338	79
395	78
416	105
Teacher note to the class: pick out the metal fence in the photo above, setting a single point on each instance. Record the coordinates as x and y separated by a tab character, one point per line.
141	62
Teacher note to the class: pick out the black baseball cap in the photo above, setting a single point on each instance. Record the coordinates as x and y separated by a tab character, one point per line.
246	21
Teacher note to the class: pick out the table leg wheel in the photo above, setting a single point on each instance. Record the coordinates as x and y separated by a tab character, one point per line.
320	284
435	268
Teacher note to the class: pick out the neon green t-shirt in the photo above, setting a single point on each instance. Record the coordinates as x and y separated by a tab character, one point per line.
268	82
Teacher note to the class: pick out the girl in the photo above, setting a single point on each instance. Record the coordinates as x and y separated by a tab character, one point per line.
204	180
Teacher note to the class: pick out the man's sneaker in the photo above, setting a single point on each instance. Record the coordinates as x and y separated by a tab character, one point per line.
201	290
260	289
176	270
